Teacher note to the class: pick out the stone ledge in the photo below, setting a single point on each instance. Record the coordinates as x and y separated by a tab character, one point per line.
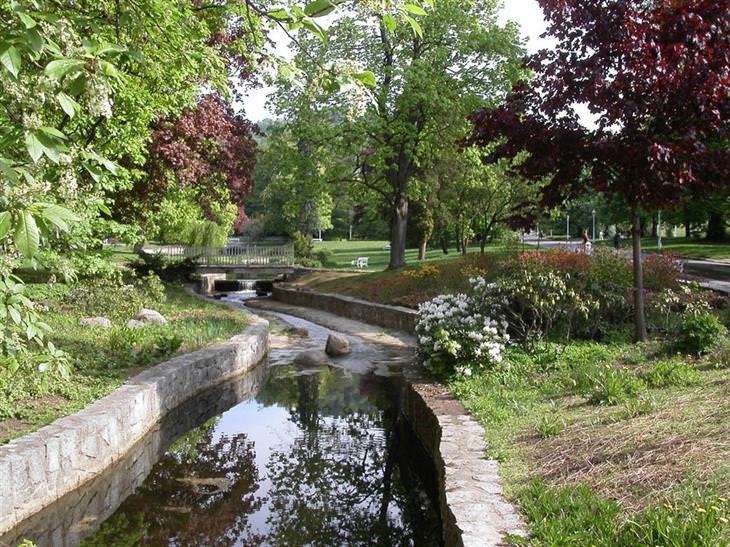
474	513
390	317
39	468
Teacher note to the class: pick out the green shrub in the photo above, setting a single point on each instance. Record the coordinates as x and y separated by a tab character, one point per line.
549	425
611	387
325	258
641	405
167	269
670	372
700	333
303	246
116	299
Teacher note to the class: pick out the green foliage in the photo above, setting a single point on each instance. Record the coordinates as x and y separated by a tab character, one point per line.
577	516
700	333
641	405
167	269
670	372
116	299
549	425
611	386
303	246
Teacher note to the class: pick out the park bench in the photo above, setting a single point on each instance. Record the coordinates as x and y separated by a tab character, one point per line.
360	262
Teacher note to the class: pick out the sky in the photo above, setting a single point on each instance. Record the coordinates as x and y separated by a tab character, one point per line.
526	13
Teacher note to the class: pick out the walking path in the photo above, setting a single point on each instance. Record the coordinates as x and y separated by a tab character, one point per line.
711	274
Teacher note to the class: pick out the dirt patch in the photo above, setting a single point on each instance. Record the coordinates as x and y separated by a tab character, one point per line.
11	428
640	460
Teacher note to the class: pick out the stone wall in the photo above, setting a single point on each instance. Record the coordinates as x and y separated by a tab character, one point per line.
474	512
38	468
390	317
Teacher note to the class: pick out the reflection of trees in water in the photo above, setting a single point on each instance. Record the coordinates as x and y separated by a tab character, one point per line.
201	493
340	482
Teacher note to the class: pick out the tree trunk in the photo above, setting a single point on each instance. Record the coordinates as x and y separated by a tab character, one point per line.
655	226
399	223
716	227
445	242
464	246
687	224
422	248
639	316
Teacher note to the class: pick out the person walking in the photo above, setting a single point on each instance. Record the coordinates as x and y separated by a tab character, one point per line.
617	240
586	241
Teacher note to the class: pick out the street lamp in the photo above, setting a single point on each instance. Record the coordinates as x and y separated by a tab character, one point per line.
594	224
659	230
567	228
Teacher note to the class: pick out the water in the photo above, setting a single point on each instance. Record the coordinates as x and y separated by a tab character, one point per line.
284	456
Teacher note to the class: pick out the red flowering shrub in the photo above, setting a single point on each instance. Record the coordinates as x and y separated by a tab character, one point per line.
661	271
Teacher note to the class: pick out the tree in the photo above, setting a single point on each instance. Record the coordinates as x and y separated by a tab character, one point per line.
423	86
208	151
656	74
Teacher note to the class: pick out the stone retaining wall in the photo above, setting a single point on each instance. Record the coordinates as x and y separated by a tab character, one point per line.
38	468
390	317
474	512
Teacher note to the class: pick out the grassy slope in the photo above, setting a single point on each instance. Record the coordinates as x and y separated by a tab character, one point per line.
546	419
103	359
408	286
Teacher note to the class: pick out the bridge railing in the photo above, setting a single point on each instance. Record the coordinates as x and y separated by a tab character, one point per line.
243	255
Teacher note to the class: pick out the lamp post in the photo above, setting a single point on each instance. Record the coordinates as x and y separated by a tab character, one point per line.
659	230
593	213
567	228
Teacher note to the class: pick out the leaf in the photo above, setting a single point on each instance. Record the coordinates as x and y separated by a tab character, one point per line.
94	171
35	39
34	146
4	223
417	30
61	67
58	216
315	29
367	78
414	9
109	70
27	236
53	132
104	209
14	314
68	105
389	22
6	168
111	48
280	15
10	59
27	20
319	8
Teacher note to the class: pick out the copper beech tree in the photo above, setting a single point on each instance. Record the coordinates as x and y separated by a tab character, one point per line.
656	73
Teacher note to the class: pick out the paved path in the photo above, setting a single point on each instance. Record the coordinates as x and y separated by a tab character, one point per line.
711	274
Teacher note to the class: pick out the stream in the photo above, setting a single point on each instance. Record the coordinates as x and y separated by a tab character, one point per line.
285	455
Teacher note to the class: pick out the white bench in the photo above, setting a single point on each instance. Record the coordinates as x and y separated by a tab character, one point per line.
360	262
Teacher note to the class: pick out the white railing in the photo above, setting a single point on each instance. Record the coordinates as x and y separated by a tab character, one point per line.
243	255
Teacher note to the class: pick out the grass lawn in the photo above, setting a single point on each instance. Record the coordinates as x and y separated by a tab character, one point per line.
688	248
610	444
344	252
103	359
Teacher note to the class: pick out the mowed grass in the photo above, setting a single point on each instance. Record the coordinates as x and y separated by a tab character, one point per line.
103	359
687	248
344	252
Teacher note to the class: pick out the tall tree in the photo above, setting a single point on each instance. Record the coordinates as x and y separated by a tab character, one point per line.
656	73
424	85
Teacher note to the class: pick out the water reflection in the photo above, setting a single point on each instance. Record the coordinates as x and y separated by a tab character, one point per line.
315	459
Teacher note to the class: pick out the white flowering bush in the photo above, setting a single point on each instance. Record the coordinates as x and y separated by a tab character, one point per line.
455	336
